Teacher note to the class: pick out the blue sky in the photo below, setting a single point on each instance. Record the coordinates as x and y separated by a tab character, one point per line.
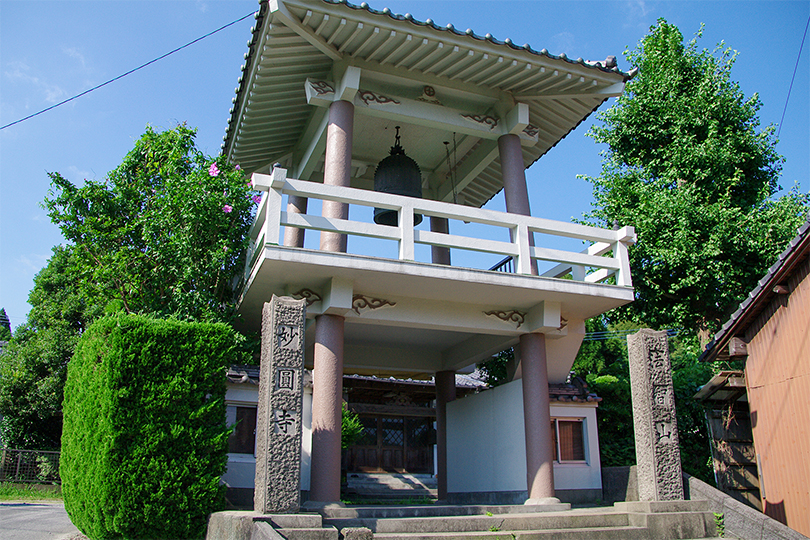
51	50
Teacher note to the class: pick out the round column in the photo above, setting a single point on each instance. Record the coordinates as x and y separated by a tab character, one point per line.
294	237
440	255
327	399
537	420
513	172
337	167
445	393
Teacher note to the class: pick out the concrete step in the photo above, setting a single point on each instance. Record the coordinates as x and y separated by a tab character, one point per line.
435	510
379	486
480	523
403	480
325	533
637	521
293	527
616	533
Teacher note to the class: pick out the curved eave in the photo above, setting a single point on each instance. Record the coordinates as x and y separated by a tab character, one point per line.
299	39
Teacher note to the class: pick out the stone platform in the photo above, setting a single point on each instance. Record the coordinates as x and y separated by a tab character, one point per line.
669	520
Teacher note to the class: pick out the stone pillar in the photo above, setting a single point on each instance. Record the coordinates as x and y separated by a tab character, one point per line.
294	237
515	191
537	420
445	393
658	455
277	484
337	167
440	255
327	399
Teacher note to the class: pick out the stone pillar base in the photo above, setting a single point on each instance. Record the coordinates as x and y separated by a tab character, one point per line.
542	500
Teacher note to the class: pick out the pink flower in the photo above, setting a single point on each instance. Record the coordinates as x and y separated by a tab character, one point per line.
227	208
213	170
257	199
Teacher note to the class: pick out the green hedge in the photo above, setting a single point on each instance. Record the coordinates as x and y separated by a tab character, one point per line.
144	441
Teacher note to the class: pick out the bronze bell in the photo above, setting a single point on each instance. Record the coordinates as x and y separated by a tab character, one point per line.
399	175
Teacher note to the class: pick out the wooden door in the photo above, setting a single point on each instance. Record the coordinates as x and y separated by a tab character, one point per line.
393	444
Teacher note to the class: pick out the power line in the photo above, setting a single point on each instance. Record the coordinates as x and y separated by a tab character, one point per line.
130	71
795	69
609	334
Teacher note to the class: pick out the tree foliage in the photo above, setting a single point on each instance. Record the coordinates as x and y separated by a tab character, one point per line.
5	326
688	165
163	234
33	365
604	364
145	442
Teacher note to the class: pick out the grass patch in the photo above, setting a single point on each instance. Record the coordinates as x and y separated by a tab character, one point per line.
29	492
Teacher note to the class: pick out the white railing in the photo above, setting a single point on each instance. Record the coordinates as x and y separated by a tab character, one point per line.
591	265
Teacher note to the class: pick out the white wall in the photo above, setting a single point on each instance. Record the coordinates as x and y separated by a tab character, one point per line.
486	446
241	470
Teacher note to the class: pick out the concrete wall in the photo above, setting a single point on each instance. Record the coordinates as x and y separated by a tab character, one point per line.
486	448
739	520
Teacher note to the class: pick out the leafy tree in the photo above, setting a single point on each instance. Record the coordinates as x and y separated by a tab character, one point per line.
495	370
163	234
611	381
689	167
33	365
5	326
350	427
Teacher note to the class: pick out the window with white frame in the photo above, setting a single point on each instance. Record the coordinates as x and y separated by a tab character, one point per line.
569	440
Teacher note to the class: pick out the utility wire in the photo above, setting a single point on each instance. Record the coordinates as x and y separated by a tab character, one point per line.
130	71
795	69
602	336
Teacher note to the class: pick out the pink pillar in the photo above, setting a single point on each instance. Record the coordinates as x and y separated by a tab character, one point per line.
327	384
294	237
440	255
514	180
327	398
337	167
537	419
445	393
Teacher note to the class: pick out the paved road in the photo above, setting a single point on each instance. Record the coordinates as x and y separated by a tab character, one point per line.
34	520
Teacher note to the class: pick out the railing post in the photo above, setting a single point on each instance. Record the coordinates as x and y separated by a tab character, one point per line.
272	219
524	259
406	248
626	235
622	256
19	463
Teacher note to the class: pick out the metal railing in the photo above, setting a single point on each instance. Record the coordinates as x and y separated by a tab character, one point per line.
506	265
605	257
29	466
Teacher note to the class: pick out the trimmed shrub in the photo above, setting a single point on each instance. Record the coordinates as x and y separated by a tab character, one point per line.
144	440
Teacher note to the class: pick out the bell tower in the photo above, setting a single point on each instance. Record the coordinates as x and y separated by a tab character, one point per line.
325	88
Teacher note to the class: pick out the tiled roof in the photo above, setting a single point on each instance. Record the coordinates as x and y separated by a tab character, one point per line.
575	391
797	249
608	65
270	114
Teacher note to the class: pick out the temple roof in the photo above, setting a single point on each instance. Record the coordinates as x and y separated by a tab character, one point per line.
438	72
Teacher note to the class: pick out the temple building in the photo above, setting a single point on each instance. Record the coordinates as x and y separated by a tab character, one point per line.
376	140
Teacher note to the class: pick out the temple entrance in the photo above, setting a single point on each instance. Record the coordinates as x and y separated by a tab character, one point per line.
398	444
